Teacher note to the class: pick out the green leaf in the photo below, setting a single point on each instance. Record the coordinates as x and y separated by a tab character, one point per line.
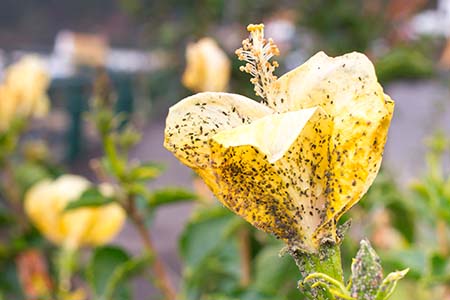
389	283
275	275
385	191
219	272
413	259
101	266
210	251
90	198
367	273
124	272
106	270
170	195
116	162
250	294
106	165
219	297
147	171
206	231
137	189
439	267
129	137
6	217
404	62
29	173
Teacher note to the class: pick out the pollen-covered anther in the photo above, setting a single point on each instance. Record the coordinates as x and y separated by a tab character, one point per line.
255	27
256	52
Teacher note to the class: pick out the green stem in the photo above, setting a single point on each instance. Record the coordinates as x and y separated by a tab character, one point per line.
65	263
113	156
327	261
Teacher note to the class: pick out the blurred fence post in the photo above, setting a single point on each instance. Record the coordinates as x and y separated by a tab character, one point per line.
123	84
76	95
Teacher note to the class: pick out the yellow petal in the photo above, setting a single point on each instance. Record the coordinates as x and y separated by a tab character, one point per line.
273	173
102	232
346	88
45	203
7	108
194	120
36	204
27	81
75	226
207	67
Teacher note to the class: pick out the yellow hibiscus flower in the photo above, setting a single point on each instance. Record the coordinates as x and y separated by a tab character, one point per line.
293	164
23	93
86	226
207	67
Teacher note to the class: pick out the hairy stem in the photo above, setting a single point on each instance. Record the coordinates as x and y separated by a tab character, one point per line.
326	261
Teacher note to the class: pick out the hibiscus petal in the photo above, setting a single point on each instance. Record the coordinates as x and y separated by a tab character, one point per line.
273	173
346	87
102	232
195	119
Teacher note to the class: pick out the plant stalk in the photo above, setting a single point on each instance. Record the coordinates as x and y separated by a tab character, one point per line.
65	263
327	261
244	249
162	279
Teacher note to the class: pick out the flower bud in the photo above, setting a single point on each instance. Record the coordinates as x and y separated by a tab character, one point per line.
207	67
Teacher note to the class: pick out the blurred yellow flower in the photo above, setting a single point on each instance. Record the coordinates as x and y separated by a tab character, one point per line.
7	109
45	203
207	67
23	91
294	164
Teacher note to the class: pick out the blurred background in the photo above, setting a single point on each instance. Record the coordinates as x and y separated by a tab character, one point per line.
141	44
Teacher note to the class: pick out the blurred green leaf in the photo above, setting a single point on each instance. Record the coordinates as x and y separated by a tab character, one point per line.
406	224
210	251
116	163
219	272
137	189
9	283
389	283
386	192
170	195
145	171
404	62
125	272
206	231
219	297
129	137
106	270
29	173
290	294
90	198
6	217
274	273
440	267
414	259
340	26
